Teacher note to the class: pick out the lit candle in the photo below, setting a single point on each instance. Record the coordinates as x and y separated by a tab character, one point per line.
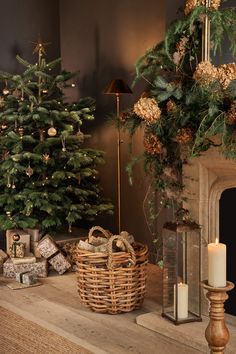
182	302
217	264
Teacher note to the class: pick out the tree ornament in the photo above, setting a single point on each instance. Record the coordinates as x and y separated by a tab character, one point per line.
29	171
8	213
152	144
2	102
63	141
80	135
52	131
5	91
41	135
184	135
3	126
21	132
147	109
13	186
46	158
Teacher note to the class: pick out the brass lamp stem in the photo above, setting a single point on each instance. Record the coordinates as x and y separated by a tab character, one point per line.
118	162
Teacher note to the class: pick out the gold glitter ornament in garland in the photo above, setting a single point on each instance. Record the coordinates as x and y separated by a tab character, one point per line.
205	73
184	135
152	144
147	109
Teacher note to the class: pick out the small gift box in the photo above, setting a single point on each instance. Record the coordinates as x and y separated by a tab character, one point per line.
49	250
17	249
24	238
29	278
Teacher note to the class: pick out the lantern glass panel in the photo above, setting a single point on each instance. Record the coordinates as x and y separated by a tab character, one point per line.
181	274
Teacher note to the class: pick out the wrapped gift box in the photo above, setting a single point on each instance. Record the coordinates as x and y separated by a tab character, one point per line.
3	258
24	238
60	263
17	250
40	268
49	250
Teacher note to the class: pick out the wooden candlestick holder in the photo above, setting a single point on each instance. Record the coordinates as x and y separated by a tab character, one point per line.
217	334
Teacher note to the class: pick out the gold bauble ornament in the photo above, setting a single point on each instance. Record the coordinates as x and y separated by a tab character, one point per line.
29	171
52	131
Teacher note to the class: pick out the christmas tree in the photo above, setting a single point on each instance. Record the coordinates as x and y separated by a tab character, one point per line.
47	178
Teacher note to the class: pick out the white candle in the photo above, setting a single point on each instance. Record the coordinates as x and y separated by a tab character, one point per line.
217	264
182	302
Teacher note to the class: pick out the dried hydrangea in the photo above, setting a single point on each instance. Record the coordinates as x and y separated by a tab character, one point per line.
226	74
147	109
184	135
152	144
205	73
192	4
180	50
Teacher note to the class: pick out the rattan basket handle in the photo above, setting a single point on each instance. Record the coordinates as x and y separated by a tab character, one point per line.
98	228
127	245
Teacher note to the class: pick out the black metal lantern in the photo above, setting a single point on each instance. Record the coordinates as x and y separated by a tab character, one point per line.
181	274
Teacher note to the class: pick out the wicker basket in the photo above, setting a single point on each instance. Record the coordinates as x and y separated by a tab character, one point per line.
112	282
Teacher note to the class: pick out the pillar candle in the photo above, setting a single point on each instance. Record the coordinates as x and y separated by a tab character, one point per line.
217	265
182	302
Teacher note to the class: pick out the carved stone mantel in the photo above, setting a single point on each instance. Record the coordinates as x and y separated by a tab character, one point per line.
205	178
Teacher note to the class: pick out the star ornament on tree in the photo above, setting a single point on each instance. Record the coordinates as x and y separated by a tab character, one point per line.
40	46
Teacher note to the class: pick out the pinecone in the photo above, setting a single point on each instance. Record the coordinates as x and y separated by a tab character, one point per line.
230	116
171	106
205	73
226	74
147	109
152	144
184	135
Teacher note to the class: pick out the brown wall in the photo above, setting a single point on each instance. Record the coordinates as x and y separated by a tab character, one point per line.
103	39
20	24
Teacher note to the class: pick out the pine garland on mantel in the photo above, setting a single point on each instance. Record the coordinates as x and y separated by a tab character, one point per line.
188	101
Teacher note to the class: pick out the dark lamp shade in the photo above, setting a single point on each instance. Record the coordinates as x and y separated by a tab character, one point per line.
117	87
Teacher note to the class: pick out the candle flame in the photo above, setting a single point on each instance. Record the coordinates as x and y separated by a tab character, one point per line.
217	240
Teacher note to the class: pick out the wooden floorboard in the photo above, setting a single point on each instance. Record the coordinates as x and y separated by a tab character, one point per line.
56	306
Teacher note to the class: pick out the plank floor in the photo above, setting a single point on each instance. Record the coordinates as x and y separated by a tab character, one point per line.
55	305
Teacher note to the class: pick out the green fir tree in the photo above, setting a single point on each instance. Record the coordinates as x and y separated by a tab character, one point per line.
47	177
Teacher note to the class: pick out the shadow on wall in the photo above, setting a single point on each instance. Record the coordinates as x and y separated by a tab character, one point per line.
103	40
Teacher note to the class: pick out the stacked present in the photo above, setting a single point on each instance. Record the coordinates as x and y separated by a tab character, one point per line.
20	248
29	256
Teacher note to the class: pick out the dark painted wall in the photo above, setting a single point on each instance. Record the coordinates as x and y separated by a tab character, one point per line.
103	39
20	24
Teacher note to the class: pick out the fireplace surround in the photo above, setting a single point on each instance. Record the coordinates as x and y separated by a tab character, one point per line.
205	178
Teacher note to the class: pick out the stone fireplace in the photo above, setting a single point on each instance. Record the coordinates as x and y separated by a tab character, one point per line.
205	178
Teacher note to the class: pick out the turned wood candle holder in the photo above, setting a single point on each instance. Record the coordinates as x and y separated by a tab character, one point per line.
217	334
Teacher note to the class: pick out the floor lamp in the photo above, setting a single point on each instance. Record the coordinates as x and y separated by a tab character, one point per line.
117	88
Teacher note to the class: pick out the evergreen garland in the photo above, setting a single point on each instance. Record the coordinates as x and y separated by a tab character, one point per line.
196	99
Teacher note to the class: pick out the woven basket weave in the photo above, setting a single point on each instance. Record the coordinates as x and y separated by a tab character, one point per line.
112	282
